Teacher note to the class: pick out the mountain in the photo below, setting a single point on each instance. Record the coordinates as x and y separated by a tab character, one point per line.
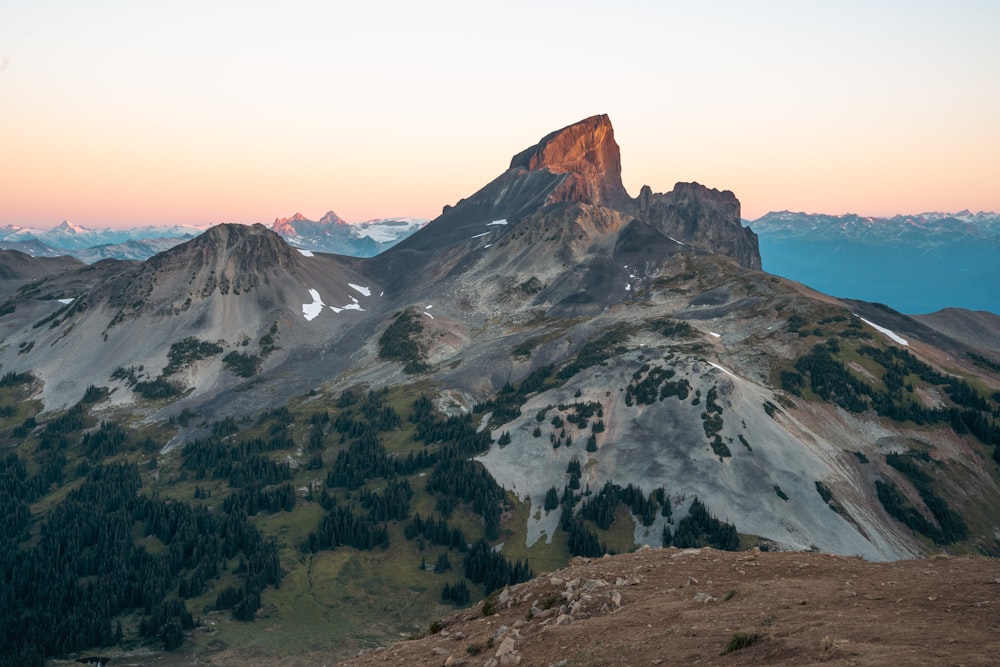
333	234
330	234
32	247
18	268
133	249
70	237
916	264
343	447
976	328
231	285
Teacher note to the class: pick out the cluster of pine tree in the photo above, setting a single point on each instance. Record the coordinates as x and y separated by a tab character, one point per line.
829	378
487	566
93	570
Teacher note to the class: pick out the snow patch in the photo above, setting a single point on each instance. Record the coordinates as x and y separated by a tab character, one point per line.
428	315
715	365
364	290
712	333
628	287
305	253
429	306
65	302
487	246
311	310
502	221
483	234
891	334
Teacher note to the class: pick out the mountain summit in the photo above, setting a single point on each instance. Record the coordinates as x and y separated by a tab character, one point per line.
589	156
563	198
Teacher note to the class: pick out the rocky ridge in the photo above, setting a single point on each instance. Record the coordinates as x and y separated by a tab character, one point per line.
670	606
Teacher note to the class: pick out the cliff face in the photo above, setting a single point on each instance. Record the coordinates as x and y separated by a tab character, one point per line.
702	217
589	156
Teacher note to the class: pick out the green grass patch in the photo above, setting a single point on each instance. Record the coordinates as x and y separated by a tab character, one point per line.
741	640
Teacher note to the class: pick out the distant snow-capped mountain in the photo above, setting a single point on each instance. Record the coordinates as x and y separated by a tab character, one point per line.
915	263
69	237
930	228
333	234
328	234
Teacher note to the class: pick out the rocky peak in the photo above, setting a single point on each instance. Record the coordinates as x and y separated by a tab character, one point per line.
580	165
587	153
700	216
231	249
298	224
331	218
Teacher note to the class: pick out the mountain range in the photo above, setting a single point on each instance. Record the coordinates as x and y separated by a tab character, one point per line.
550	368
329	234
916	264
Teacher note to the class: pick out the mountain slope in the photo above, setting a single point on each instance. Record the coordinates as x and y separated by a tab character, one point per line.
233	286
673	607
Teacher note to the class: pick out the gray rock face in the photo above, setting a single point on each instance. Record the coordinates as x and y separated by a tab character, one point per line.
702	217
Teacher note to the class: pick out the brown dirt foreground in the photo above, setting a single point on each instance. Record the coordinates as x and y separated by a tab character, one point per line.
671	606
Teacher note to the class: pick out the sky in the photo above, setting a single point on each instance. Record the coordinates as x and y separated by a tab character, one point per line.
127	113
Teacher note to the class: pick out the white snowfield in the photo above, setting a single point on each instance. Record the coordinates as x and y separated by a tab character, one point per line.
483	234
891	334
305	253
311	310
388	229
65	302
502	221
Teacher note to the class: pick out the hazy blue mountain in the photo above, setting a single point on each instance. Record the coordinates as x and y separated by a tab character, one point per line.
916	264
68	236
329	234
333	234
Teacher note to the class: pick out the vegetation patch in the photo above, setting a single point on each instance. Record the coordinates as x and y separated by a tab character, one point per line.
14	379
188	351
242	364
741	640
952	527
397	343
158	388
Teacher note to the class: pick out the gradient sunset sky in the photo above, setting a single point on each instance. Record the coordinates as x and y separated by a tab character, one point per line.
129	113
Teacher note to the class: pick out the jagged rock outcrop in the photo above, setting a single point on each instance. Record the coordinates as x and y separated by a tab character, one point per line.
702	217
299	224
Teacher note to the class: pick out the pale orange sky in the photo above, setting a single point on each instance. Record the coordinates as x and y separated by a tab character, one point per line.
115	114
